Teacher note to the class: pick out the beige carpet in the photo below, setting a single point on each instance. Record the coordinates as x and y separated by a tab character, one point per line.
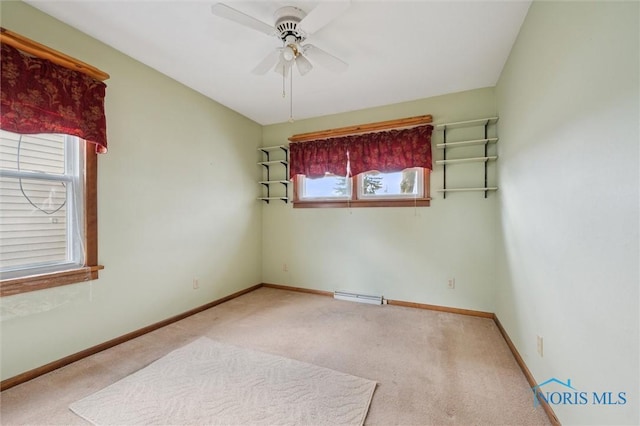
432	368
208	382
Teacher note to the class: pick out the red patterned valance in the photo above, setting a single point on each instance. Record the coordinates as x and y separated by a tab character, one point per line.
38	96
386	151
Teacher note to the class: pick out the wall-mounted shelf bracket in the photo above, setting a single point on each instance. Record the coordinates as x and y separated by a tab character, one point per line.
486	158
267	164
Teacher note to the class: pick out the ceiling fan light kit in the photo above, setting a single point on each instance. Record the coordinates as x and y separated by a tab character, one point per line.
292	26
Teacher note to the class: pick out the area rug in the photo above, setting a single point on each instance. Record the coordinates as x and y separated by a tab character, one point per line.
211	383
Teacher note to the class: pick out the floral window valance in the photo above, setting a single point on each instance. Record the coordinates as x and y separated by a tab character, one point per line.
385	151
38	96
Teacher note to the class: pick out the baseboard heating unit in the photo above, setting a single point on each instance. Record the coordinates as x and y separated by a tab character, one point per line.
354	297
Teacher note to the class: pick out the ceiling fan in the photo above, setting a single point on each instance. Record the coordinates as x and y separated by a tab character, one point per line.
292	26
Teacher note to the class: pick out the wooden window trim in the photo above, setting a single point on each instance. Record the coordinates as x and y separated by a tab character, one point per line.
43	52
54	279
363	128
90	269
354	202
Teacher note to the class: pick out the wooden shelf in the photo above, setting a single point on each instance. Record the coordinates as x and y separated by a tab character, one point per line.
267	199
469	123
274	172
482	124
268	163
266	149
468	160
467	143
492	188
269	182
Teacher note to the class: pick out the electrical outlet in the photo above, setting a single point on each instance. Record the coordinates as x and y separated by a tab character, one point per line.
452	283
196	284
285	268
540	346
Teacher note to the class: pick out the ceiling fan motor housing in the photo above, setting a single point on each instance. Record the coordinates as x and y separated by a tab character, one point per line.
287	19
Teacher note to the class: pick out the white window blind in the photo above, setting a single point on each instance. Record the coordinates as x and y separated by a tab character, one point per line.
39	188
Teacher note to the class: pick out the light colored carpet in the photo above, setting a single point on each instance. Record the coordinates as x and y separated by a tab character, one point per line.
432	368
209	382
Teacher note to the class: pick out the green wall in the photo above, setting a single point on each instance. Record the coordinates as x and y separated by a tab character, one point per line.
568	201
401	253
176	201
554	252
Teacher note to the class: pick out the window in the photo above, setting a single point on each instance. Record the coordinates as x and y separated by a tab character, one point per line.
48	182
47	211
375	185
390	163
328	187
409	187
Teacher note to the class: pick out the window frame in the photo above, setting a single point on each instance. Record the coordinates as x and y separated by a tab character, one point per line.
360	195
90	268
299	190
354	201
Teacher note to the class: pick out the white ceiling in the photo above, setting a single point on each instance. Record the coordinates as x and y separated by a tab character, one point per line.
396	50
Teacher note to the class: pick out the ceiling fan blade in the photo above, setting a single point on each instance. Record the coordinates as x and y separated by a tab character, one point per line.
303	64
322	14
324	59
224	11
267	63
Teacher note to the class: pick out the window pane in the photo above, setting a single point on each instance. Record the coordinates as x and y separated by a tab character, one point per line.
37	153
33	222
329	186
407	183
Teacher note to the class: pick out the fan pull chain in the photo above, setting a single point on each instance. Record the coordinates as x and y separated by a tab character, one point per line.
347	177
291	95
